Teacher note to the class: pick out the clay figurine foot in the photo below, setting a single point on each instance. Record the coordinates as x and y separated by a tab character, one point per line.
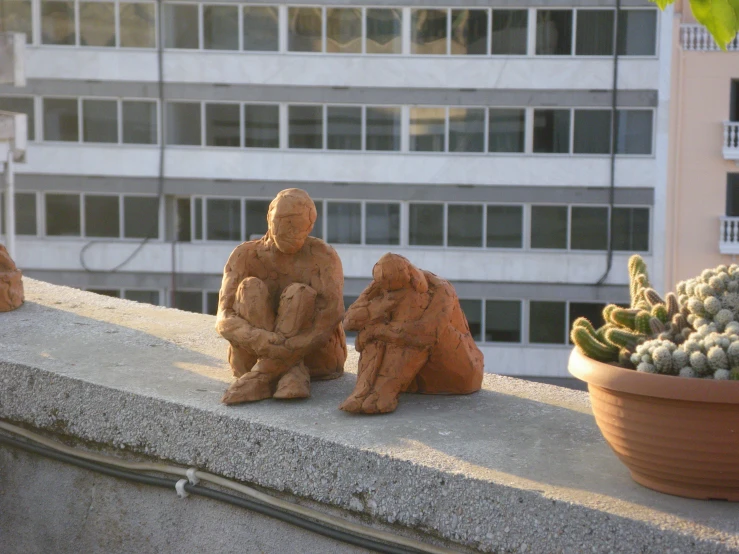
294	384
248	388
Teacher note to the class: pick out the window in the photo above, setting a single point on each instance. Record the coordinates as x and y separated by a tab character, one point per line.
590	310
589	228
592	132
429	32
634	132
344	128
344	223
143	296
383	129
224	219
382	224
97	24
733	103
102	216
547	324
222	125
631	229
183	123
20	105
553	32
15	17
220	27
137	22
57	23
505	227
344	30
305	126
469	32
140	217
549	227
211	299
60	119
305	30
551	131
384	31
261	126
464	225
503	321
732	194
472	310
63	215
181	26
261	30
506	130
594	33
509	32
426	224
256	218
113	293
184	220
637	32
317	230
427	129
99	120
189	301
198	213
139	122
466	130
25	213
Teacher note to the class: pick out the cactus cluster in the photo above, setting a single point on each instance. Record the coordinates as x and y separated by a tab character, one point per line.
712	298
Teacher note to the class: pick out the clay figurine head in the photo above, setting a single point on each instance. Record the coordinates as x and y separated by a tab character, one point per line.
290	219
394	272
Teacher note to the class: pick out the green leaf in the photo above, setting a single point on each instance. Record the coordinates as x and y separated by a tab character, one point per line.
663	3
720	17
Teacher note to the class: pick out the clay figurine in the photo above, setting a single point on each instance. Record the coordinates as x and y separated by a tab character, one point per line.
280	307
413	337
11	285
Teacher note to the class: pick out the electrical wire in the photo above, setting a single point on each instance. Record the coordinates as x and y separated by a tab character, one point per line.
300	516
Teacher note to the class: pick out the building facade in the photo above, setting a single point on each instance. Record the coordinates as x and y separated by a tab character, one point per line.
486	143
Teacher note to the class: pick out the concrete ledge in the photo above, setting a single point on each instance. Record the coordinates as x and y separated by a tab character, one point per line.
517	467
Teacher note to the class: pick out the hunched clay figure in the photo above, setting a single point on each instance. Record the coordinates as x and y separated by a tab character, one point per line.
413	337
280	307
11	283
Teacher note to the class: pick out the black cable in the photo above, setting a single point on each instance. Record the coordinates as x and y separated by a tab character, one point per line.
249	504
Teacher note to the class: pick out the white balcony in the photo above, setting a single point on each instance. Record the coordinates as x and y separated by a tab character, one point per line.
696	38
728	242
731	140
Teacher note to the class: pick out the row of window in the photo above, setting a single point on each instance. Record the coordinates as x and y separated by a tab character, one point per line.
345	30
341	127
516	226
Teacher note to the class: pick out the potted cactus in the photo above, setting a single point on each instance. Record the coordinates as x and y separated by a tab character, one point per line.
663	376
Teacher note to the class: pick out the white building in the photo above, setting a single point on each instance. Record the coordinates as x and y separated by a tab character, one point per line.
475	139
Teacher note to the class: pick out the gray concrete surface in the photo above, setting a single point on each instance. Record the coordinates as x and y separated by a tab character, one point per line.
518	467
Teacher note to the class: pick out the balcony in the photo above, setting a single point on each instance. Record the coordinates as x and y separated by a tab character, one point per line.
728	242
696	38
731	140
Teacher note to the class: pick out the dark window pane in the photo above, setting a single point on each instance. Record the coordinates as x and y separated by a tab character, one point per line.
428	32
594	33
344	30
140	217
317	230
503	321
305	126
189	301
506	130
220	27
510	31
344	223
344	128
211	299
549	227
184	220
469	32
261	126
631	229
113	293
224	219
57	22
426	225
384	31
63	215
554	32
637	32
99	121
505	227
589	229
198	218
143	296
183	123
15	17
466	130
261	28
139	122
256	218
427	129
732	194
547	322
634	133
97	24
383	223
464	225
60	119
592	132
473	312
102	216
551	131
180	25
305	30
383	129
20	105
25	213
137	24
592	311
222	125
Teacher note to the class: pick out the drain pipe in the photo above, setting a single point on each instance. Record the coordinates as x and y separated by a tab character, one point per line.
10	204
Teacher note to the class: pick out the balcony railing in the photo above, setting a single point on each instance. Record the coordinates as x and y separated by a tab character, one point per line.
728	242
696	37
731	140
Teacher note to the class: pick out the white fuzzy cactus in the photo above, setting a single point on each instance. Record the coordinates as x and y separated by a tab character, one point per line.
721	374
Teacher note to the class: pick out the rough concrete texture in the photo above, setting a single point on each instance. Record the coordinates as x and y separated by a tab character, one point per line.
517	467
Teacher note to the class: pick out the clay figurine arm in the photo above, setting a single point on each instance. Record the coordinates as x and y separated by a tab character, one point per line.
358	315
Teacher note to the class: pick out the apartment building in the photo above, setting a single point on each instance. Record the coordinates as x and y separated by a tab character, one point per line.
486	142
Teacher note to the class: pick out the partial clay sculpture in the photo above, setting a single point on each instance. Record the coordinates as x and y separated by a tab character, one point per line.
413	337
280	307
11	284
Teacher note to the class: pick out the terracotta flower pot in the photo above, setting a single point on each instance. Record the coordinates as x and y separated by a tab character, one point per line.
676	435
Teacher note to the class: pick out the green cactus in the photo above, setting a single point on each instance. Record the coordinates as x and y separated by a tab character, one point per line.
642	323
660	312
624	317
592	347
623	338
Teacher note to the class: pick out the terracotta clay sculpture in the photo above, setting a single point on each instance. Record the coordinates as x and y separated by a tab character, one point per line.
11	285
413	337
280	307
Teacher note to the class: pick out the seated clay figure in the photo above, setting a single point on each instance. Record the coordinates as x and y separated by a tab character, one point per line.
280	307
11	284
413	337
